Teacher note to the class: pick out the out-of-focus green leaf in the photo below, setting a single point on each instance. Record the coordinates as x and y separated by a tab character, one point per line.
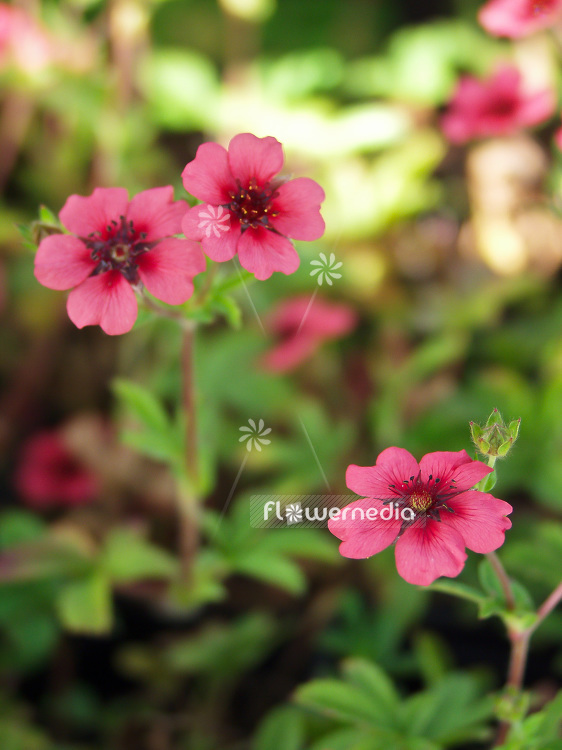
85	605
128	557
283	729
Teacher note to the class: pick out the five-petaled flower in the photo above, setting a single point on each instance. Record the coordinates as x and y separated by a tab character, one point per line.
495	106
302	326
115	246
444	514
519	18
261	211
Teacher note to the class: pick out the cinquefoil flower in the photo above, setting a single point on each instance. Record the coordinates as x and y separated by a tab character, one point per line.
444	515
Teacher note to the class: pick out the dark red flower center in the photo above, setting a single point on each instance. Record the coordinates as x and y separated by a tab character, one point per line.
503	106
422	499
252	205
118	248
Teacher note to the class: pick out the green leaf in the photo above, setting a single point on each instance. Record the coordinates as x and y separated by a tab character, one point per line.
372	681
489	580
85	605
128	557
18	527
272	569
142	404
282	729
456	588
339	700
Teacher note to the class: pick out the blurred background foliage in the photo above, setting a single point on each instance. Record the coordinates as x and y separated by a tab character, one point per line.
451	258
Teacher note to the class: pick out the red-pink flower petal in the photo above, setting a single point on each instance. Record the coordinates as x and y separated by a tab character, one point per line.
255	158
107	300
558	138
62	262
394	466
289	354
92	213
208	176
298	208
424	553
362	537
155	213
519	18
167	270
262	252
480	518
210	222
48	475
451	466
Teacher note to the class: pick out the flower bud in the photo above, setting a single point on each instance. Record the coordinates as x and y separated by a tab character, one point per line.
495	438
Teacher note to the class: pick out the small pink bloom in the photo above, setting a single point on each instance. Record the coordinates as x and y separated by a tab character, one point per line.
23	43
558	138
434	513
48	475
302	328
519	18
495	106
247	210
116	245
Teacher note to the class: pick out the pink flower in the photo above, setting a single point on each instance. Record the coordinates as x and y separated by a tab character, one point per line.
495	106
558	138
431	513
246	209
302	328
23	42
48	475
116	245
518	18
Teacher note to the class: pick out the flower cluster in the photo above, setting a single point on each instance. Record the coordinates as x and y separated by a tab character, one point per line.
116	246
447	515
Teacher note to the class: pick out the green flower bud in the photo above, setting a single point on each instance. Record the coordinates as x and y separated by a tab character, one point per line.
495	438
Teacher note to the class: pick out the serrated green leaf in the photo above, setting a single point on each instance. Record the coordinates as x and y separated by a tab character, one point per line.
85	605
340	700
369	678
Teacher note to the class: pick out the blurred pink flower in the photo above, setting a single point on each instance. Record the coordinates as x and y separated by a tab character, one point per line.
558	138
495	106
434	513
48	475
116	245
23	43
302	328
518	18
246	210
